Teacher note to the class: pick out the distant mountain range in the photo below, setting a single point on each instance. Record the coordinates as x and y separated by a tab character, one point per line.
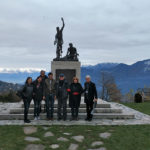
5	87
126	76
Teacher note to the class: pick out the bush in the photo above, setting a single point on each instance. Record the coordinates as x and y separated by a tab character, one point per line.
9	97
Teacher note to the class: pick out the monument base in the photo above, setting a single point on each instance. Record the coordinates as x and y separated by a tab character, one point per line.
69	68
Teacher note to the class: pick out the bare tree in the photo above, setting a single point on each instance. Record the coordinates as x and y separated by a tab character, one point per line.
110	91
129	97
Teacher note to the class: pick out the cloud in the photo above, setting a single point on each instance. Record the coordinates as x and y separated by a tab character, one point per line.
16	70
102	31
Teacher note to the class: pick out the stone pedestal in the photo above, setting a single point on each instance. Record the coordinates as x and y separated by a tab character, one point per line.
68	68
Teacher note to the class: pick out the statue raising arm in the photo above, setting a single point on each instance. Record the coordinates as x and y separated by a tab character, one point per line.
63	24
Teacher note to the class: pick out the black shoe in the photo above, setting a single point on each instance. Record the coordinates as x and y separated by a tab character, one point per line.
51	118
90	119
59	119
48	119
72	118
27	121
76	118
64	119
87	119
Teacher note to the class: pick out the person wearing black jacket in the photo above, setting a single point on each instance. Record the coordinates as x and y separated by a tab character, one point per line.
27	95
62	88
90	96
75	98
38	96
44	77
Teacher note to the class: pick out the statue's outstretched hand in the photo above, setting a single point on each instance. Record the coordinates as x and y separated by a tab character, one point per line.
62	19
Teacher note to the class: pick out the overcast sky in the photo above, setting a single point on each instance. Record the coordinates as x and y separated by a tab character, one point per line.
101	30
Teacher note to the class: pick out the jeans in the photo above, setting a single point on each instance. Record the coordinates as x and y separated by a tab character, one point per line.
62	103
50	105
37	107
27	102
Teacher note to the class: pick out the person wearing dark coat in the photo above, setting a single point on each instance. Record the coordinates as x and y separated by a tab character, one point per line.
90	95
27	95
38	96
49	94
62	88
75	98
138	98
44	77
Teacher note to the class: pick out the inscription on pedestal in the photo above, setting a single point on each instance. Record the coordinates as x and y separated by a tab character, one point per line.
69	74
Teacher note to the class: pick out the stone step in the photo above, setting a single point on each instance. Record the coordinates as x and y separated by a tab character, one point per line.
81	116
81	110
104	105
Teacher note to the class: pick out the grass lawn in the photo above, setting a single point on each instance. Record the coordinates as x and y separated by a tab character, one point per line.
123	137
142	107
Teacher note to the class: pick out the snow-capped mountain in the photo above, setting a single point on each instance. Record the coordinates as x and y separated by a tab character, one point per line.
147	66
16	75
127	77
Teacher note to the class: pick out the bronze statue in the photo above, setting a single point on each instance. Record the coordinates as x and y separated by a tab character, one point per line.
72	53
59	40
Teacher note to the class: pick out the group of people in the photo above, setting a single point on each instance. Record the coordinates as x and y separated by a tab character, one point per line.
46	88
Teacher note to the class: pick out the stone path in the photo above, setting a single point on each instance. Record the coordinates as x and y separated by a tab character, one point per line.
62	139
45	128
102	148
67	133
31	139
97	143
54	146
30	129
73	146
48	134
78	138
35	147
105	135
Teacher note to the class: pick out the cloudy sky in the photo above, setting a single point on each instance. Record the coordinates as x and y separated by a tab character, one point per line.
101	30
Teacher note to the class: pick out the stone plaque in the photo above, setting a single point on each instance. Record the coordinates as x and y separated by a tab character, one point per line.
69	74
